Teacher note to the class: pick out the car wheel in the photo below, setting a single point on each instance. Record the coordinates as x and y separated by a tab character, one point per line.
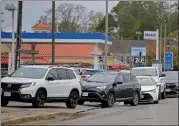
163	95
72	100
40	98
81	102
156	102
135	99
4	101
110	101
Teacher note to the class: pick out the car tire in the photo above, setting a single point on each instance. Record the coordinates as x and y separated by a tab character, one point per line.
110	101
40	99
135	99
4	101
156	102
81	102
163	94
72	101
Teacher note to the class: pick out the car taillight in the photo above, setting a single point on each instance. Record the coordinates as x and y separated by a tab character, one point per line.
83	76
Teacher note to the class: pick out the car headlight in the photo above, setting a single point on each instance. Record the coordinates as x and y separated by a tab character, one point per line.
28	85
101	87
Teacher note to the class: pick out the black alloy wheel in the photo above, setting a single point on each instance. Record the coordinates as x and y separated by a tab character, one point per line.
110	101
135	100
72	100
39	99
4	101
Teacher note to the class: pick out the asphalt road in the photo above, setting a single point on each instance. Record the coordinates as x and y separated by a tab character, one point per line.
164	113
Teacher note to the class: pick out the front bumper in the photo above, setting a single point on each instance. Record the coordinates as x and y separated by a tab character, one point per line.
93	96
149	96
17	96
172	89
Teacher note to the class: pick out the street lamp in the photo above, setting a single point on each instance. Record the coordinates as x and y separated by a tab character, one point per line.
12	8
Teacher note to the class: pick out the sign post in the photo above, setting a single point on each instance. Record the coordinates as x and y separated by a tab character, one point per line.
153	35
168	61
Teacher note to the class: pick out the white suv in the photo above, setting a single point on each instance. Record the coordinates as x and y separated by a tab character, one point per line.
39	84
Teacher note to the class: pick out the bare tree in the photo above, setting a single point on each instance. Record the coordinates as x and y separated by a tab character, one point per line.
70	17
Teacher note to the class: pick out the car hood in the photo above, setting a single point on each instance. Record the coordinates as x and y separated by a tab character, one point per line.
86	84
148	87
18	80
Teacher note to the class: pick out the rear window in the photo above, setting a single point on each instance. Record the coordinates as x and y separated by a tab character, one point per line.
89	72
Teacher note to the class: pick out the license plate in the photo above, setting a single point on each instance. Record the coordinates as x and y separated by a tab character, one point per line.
168	90
7	94
85	94
142	96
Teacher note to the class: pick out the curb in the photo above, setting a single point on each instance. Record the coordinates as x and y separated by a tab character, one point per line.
16	121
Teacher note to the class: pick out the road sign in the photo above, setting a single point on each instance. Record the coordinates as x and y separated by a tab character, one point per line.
169	60
158	65
139	62
135	51
150	35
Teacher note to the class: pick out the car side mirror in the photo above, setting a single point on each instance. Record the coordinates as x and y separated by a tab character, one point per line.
50	78
162	75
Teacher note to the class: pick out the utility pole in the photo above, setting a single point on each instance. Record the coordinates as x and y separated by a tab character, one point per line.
106	38
53	32
161	43
18	36
157	46
165	43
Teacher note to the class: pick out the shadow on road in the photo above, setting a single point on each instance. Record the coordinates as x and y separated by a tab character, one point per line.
51	107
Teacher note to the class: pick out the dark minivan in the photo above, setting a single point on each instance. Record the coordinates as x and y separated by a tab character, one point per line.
111	87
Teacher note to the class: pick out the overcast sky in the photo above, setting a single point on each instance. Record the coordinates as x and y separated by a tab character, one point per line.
33	10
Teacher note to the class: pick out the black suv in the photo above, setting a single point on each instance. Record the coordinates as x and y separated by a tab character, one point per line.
109	87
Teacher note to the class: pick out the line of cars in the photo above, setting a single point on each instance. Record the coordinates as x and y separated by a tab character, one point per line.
41	84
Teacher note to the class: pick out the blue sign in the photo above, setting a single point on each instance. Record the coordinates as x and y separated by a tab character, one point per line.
169	60
139	62
135	51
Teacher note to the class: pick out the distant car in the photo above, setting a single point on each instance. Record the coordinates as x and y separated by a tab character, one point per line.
149	88
40	84
153	72
86	73
109	87
172	83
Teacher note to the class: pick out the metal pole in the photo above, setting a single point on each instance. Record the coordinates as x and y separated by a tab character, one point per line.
13	42
53	32
161	43
0	47
165	43
18	37
157	46
106	38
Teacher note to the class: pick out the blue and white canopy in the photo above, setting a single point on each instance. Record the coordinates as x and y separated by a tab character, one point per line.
70	38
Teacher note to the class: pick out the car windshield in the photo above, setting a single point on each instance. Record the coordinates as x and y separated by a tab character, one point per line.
145	81
102	78
144	72
29	72
172	76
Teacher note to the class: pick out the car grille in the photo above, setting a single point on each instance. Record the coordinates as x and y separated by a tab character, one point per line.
172	85
10	86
